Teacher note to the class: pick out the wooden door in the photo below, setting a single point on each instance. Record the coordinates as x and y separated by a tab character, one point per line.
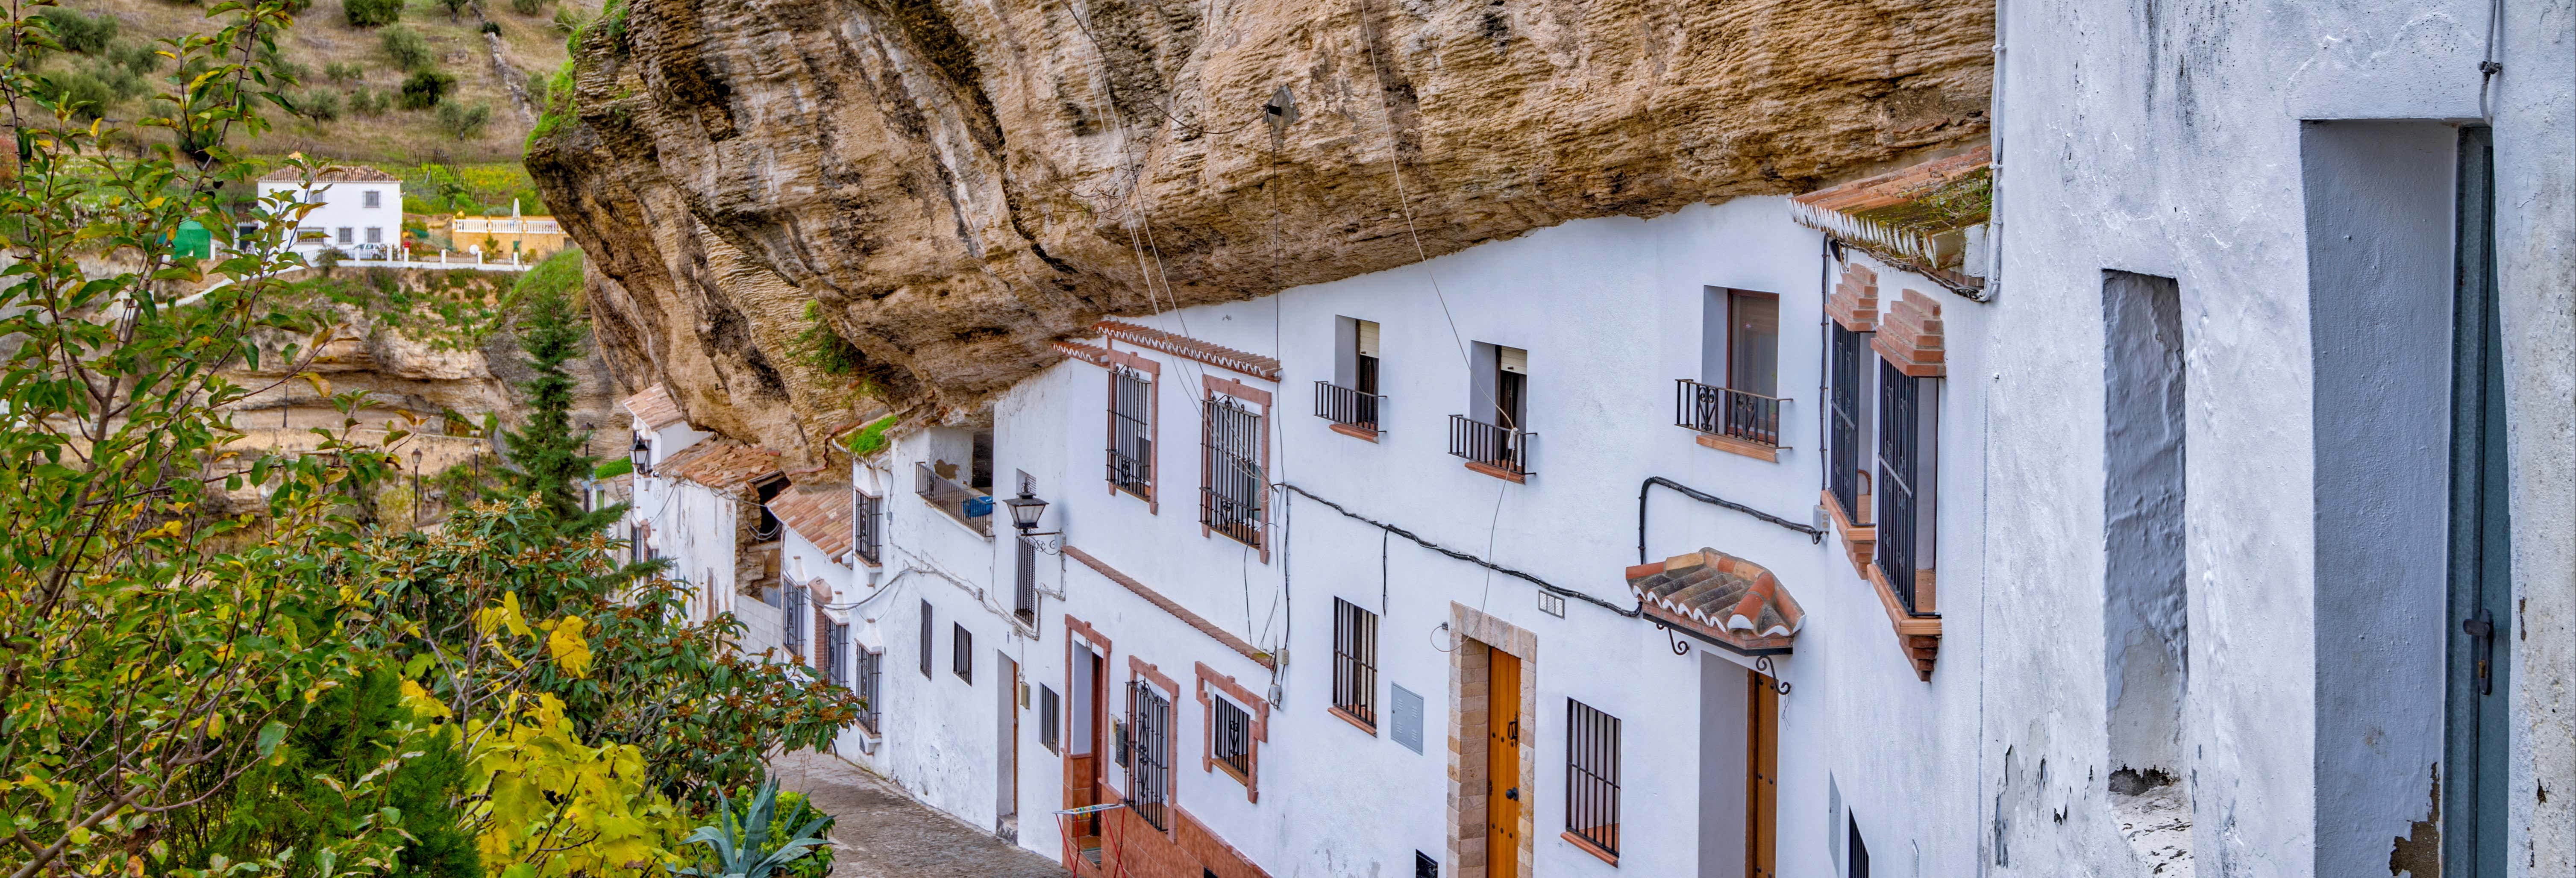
1504	799
1761	779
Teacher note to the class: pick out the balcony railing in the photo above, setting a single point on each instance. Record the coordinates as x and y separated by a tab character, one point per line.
1503	448
1134	475
1726	411
1342	405
970	507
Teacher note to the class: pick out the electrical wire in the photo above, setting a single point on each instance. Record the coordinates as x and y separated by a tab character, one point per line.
1630	612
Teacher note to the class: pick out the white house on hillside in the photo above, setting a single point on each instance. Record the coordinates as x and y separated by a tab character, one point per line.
358	210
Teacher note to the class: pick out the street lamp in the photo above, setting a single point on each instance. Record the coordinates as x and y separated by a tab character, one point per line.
1025	510
642	456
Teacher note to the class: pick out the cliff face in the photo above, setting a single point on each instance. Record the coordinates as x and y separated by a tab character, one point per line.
951	184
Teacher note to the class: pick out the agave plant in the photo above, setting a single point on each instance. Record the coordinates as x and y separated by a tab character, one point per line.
753	843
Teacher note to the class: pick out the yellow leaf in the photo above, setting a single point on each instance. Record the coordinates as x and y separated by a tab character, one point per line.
571	651
420	701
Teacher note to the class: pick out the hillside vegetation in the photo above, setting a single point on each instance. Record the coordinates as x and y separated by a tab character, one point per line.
393	83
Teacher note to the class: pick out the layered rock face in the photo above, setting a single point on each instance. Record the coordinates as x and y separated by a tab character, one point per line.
952	184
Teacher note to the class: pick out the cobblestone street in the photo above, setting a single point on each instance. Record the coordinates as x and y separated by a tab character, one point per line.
882	833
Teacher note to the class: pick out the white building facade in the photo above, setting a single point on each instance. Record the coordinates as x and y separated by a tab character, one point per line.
356	210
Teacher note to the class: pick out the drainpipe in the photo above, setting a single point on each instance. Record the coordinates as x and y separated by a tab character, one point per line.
1824	368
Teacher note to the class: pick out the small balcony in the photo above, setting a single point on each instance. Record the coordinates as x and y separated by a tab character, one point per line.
1728	419
968	506
1501	452
1351	412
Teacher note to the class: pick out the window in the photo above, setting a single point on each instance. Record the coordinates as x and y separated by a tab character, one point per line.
961	656
1592	776
769	526
836	645
793	637
1230	499
1355	663
1753	342
1491	435
1511	386
870	663
374	198
1859	850
1424	866
348	235
1048	721
1352	398
1904	482
375	234
1738	392
1147	748
926	630
1846	475
1131	432
1230	736
867	537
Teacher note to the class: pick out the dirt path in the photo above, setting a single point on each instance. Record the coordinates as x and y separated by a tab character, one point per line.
882	833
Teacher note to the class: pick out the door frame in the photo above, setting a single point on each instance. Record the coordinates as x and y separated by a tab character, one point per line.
1469	630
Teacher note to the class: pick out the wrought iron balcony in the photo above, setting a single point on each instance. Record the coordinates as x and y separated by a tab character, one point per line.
1501	448
970	507
1726	411
1350	408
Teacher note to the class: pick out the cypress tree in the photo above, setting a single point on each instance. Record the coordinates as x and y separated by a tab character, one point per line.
546	456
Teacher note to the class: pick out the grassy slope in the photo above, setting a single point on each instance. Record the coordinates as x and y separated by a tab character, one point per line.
397	138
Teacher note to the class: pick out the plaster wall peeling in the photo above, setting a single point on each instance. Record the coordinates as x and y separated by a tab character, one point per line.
955	183
2179	133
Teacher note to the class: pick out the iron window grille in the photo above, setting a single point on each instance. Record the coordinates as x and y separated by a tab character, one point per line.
1024	604
1131	433
1230	499
1592	776
793	634
1230	736
867	528
1726	411
926	629
1900	445
961	657
1343	405
1424	866
1049	735
836	646
1843	473
1149	767
1355	662
871	663
1503	448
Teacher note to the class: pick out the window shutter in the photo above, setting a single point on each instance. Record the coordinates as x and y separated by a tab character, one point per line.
1513	360
1368	338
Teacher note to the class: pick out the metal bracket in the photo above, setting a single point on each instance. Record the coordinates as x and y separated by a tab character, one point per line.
1762	665
1679	648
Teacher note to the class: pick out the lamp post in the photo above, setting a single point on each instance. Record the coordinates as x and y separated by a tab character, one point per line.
1025	510
641	456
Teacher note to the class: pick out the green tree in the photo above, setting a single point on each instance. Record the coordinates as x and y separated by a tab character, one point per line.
463	121
546	456
455	9
406	47
423	90
371	13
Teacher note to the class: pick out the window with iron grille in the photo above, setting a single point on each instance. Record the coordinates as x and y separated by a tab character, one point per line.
866	537
870	663
836	648
1424	866
1230	501
1592	776
926	629
1355	662
1844	459
1131	432
1149	754
793	621
1900	468
961	657
1024	603
1230	736
1048	721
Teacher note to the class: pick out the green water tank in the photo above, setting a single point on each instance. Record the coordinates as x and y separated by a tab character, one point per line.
193	240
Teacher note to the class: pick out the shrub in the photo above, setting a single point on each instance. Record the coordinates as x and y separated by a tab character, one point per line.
371	13
491	27
425	89
138	58
318	104
527	7
455	8
341	71
570	18
463	122
85	34
369	102
408	49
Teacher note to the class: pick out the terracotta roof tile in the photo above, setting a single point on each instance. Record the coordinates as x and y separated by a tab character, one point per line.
332	174
1185	346
1720	597
655	407
720	464
820	513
